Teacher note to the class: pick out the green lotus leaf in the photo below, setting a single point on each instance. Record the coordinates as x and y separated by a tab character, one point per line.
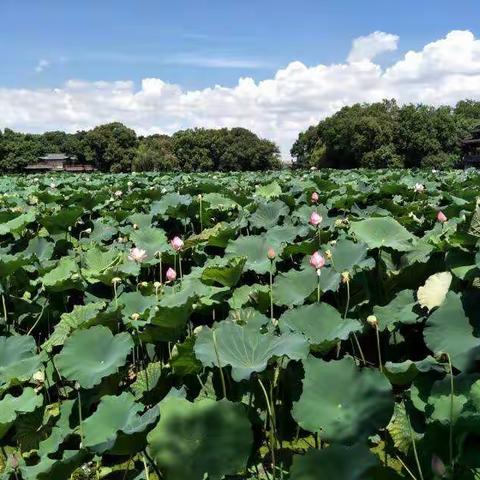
17	225
90	355
401	430
254	248
60	431
380	232
147	379
225	271
64	276
205	437
152	240
321	324
268	214
135	302
141	220
171	204
115	414
41	248
448	330
398	311
52	468
11	263
405	372
183	360
351	257
335	462
271	190
217	201
294	287
100	265
18	359
245	294
80	316
11	406
245	349
341	401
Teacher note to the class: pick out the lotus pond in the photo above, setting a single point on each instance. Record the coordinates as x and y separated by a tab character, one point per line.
286	325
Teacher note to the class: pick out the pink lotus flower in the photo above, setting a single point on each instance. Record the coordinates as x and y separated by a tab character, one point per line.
137	255
315	219
314	197
171	275
271	254
317	261
176	243
441	217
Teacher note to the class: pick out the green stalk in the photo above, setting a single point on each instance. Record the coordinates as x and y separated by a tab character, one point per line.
452	393
272	426
415	453
5	316
80	416
201	215
224	387
318	286
145	466
379	349
271	290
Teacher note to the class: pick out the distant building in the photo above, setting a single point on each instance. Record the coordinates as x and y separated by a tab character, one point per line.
59	162
471	149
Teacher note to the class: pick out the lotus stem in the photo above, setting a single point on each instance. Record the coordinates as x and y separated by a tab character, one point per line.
222	378
200	213
80	417
379	349
180	265
318	285
270	409
452	393
415	453
319	231
271	291
145	466
406	468
5	316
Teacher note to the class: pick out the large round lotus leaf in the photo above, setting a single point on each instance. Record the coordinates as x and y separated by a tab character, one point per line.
245	349
64	276
48	468
320	323
378	232
18	360
99	264
268	214
335	462
18	224
150	239
448	330
293	287
92	354
205	437
342	402
11	406
225	271
113	415
398	311
268	191
350	256
171	203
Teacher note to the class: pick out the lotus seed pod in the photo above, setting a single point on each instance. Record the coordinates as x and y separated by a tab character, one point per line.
135	316
372	320
116	280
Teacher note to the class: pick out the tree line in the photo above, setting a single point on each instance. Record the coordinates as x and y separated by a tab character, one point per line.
386	135
114	147
375	135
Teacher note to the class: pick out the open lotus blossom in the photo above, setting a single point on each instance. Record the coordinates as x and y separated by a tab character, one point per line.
419	188
317	261
271	253
137	255
441	217
176	243
171	275
314	197
315	219
118	193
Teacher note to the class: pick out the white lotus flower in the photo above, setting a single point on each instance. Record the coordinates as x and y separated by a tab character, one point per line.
433	293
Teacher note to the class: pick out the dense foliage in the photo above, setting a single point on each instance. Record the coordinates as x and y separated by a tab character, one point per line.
386	135
115	148
177	326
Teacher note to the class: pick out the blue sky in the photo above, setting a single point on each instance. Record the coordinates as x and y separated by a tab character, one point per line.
201	43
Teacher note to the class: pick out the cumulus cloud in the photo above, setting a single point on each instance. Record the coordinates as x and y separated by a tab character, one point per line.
297	96
370	46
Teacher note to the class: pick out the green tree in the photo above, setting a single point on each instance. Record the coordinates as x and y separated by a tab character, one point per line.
111	147
155	153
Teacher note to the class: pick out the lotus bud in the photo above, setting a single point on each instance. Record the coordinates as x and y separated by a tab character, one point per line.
317	261
372	320
39	376
176	243
135	316
271	254
328	254
135	226
27	296
118	193
157	285
143	284
441	217
314	197
315	219
116	280
14	461
438	467
137	255
171	275
345	277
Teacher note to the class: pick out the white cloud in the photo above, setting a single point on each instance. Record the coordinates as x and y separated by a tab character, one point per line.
443	71
368	47
42	65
